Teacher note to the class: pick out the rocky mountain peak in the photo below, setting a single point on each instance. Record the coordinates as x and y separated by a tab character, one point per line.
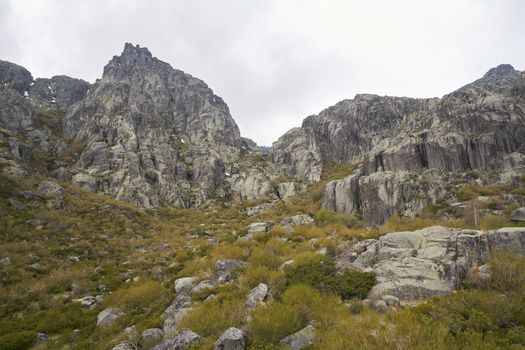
15	77
500	71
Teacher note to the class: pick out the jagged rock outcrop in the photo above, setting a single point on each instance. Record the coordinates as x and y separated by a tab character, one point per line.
480	126
154	135
428	262
60	90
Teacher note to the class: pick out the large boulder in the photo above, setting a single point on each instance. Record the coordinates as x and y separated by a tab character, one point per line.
174	314
232	339
184	284
151	337
428	262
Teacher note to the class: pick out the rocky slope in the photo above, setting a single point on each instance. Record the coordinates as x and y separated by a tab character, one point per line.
410	146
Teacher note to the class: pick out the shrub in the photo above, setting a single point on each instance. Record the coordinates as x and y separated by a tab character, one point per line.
17	341
319	272
275	321
211	318
325	217
507	270
138	296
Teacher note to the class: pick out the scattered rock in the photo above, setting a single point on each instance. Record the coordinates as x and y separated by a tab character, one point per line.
257	296
41	337
391	300
151	337
180	341
225	268
380	305
5	261
107	317
202	285
258	227
51	188
232	339
184	284
300	339
518	214
297	220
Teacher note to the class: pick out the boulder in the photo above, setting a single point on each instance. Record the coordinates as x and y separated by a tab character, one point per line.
150	337
203	285
257	295
257	227
232	339
429	262
184	285
107	317
518	214
297	220
180	341
85	182
300	339
225	268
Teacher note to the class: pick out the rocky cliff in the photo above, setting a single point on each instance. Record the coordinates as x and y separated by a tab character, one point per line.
408	146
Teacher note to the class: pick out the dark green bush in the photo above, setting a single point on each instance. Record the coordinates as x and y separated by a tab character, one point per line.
319	272
17	341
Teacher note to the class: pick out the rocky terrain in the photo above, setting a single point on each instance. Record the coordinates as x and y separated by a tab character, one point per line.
133	215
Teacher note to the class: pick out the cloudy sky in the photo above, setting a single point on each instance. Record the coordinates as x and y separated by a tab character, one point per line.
275	61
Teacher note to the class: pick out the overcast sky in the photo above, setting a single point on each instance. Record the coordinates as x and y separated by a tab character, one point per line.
275	61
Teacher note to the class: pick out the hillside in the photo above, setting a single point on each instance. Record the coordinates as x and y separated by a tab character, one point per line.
133	215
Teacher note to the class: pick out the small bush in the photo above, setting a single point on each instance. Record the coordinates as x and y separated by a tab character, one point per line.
324	217
276	321
319	272
17	341
507	270
138	296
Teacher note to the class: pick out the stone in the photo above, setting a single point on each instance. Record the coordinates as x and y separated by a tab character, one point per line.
151	337
380	305
182	340
107	317
42	337
85	182
232	339
184	285
391	300
429	262
518	214
5	261
257	295
300	339
202	286
257	227
297	220
225	268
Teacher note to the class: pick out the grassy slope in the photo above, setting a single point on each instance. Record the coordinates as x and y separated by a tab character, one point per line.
117	243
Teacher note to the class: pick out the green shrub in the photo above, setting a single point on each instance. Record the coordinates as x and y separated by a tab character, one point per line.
273	322
319	272
17	341
324	217
138	296
507	270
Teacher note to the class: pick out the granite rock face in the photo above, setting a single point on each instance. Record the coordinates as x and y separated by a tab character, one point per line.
428	262
154	135
480	126
60	90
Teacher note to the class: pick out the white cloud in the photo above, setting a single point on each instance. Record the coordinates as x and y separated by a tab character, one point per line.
275	62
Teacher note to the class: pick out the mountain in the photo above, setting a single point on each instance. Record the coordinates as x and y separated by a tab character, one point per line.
408	147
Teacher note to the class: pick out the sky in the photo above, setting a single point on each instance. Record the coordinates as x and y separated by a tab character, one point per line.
275	62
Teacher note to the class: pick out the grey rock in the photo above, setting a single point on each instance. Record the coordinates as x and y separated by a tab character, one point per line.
432	261
224	269
42	337
5	261
258	209
85	182
202	286
258	227
182	340
232	339
151	337
518	214
184	285
154	135
107	317
300	339
51	188
257	296
476	127
380	305
60	90
250	185
297	220
15	77
171	324
391	300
